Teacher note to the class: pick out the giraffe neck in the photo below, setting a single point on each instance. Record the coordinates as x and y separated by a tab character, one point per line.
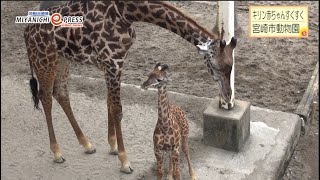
163	108
211	68
156	12
168	17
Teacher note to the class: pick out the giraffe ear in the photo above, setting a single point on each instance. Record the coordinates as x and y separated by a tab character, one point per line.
157	65
202	49
165	67
222	44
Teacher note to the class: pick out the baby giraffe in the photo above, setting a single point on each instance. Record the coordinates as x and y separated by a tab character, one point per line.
172	128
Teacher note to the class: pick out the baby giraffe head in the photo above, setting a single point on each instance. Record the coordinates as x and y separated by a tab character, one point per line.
157	77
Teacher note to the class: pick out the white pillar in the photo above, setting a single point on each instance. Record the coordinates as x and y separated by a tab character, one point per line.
226	20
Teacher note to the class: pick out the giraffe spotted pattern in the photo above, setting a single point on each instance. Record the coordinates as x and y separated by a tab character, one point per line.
104	41
172	128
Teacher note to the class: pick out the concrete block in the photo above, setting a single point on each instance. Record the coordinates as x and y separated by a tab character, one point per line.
226	129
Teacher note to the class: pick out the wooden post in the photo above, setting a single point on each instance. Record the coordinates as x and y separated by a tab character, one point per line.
313	111
226	20
236	4
215	29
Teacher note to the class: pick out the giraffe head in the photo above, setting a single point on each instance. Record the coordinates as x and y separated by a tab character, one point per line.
219	61
157	77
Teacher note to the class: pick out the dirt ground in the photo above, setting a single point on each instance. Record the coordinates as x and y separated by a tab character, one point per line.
270	73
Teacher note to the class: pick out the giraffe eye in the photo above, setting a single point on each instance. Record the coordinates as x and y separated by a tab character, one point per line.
159	80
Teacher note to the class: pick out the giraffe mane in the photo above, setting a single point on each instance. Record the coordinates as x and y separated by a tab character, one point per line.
189	19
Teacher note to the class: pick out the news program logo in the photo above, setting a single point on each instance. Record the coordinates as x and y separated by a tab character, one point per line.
34	17
55	19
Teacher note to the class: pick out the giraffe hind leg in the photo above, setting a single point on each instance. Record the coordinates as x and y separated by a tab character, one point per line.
46	81
185	150
61	94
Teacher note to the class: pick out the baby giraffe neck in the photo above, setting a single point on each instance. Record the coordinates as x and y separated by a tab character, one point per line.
163	108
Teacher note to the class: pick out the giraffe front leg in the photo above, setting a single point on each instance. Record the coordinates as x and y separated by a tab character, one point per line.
113	83
159	157
112	138
175	164
170	169
122	154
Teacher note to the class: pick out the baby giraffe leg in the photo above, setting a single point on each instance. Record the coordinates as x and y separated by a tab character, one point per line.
159	157
185	150
175	164
170	169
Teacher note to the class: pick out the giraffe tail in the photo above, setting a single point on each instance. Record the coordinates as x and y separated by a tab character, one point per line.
34	90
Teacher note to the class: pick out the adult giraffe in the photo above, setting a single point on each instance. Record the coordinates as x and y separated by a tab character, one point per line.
104	41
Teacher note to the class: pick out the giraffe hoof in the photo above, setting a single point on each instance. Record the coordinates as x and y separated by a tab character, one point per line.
169	177
113	152
91	151
59	160
127	170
